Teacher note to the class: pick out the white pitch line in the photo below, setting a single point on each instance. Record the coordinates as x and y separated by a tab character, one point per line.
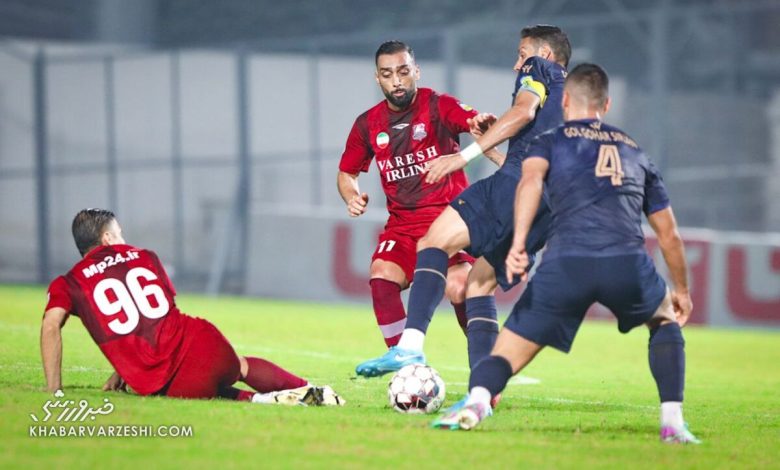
517	380
66	369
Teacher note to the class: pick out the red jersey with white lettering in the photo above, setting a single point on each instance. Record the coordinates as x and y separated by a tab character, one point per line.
125	299
402	143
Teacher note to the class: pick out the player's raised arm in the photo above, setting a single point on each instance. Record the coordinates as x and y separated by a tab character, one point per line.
665	227
349	190
51	347
527	197
518	116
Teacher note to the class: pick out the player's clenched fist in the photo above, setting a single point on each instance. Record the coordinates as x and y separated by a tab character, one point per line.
480	123
683	305
356	206
517	263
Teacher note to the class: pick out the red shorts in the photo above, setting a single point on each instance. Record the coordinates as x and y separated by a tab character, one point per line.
210	365
401	249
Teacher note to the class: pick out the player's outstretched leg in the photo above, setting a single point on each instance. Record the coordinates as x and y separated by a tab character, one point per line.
275	385
667	363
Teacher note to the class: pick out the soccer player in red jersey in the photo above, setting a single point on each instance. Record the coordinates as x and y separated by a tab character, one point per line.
403	134
125	299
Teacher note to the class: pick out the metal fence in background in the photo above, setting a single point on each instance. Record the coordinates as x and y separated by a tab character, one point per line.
183	144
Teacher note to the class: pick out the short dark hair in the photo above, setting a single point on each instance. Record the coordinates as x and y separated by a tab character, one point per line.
88	226
554	37
391	47
591	80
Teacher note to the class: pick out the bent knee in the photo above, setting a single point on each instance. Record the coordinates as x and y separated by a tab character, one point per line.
388	271
456	290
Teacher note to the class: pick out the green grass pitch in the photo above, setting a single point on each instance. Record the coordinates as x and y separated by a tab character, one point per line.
596	407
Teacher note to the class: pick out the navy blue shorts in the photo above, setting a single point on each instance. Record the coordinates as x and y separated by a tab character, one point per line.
553	305
487	207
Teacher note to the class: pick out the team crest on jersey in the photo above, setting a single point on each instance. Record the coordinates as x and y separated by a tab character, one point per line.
419	131
382	139
465	107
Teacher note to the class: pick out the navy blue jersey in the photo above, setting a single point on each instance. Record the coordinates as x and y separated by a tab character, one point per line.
544	79
599	183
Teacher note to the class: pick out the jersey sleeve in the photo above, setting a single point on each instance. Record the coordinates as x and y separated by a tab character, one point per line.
454	114
541	146
533	78
358	153
58	295
656	197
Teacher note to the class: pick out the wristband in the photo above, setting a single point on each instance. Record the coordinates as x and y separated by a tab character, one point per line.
471	152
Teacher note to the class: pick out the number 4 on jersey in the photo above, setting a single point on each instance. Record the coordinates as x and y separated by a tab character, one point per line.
609	164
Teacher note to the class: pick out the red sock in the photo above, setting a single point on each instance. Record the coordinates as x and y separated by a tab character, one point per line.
460	314
245	395
265	376
233	393
389	309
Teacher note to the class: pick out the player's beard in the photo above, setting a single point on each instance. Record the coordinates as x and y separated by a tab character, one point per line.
401	102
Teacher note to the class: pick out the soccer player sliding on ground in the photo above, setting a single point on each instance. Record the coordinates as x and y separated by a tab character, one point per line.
479	220
599	183
404	133
125	299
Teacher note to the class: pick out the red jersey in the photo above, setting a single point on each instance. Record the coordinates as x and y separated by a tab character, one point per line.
403	143
124	298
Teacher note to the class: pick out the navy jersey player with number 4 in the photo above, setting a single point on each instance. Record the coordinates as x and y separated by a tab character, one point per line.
599	183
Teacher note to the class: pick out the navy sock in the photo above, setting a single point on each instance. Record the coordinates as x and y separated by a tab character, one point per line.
482	328
667	361
492	372
430	279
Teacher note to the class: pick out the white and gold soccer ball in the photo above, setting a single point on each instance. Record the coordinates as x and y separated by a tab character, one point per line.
416	389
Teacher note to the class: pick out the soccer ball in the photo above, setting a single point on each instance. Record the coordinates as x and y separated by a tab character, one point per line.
416	389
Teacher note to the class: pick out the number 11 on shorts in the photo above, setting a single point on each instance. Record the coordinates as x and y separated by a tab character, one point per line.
386	245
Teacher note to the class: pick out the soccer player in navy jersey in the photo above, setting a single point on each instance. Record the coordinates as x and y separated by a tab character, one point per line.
403	133
125	300
599	183
479	220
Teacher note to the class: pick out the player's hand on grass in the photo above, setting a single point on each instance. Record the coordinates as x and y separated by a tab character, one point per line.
683	305
443	166
517	262
357	205
480	123
115	384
